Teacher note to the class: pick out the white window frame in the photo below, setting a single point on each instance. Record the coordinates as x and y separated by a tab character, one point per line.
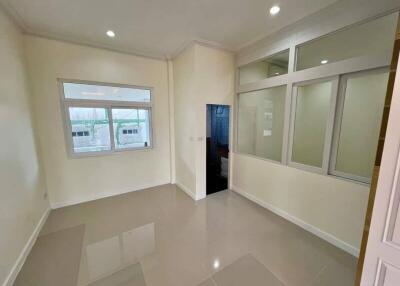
284	131
328	129
338	124
66	103
338	69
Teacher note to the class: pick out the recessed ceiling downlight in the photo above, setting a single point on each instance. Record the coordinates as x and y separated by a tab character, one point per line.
324	62
110	33
274	10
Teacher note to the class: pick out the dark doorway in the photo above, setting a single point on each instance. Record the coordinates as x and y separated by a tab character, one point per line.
217	147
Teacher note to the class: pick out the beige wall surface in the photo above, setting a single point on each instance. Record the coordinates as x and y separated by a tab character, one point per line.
331	205
76	180
22	202
202	75
184	120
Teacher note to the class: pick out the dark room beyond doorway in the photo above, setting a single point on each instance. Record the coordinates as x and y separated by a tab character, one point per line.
217	147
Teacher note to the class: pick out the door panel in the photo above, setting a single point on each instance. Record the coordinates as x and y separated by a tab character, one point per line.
382	260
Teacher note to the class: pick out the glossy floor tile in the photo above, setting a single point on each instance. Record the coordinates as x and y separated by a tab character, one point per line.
161	237
245	271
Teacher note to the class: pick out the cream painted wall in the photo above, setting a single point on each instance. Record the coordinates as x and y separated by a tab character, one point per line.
75	180
202	75
22	202
184	108
334	206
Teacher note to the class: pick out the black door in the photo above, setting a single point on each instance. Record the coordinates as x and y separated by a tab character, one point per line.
217	147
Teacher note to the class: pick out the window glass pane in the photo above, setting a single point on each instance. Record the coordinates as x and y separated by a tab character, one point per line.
90	129
374	37
272	66
361	120
104	92
260	122
312	108
131	128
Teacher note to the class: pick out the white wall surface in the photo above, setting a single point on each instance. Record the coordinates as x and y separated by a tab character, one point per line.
22	185
184	108
333	206
202	75
76	180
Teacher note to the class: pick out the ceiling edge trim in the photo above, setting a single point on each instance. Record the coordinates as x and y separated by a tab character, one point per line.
14	15
91	44
201	42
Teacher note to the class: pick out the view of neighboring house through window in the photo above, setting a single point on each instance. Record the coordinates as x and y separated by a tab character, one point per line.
104	118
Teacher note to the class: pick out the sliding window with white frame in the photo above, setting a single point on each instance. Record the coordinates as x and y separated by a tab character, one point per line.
328	121
361	102
104	118
313	111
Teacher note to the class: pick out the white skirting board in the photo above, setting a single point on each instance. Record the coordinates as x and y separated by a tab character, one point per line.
25	251
57	205
314	230
186	190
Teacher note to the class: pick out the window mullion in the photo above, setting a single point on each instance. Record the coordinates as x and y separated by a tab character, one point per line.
111	126
330	125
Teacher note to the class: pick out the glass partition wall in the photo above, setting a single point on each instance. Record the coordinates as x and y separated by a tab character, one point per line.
314	118
260	122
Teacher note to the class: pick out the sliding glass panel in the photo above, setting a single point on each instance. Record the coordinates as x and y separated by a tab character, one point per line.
260	122
90	129
364	100
312	109
105	92
131	128
272	66
374	37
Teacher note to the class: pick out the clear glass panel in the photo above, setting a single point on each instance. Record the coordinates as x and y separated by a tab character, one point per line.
104	92
374	37
271	66
90	129
260	122
312	108
361	121
131	128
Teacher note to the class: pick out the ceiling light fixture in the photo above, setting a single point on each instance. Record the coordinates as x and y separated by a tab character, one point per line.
216	264
274	10
324	62
110	33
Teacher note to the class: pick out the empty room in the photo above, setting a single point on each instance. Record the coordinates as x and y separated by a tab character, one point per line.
199	143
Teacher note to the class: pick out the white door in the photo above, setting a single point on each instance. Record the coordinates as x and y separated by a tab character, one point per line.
382	260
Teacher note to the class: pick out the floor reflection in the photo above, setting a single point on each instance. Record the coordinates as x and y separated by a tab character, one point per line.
114	255
161	237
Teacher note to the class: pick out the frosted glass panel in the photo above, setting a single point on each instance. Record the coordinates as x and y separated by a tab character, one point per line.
312	108
374	37
359	131
270	67
260	122
105	92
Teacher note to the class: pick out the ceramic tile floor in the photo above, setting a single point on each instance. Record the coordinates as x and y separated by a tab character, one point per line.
161	237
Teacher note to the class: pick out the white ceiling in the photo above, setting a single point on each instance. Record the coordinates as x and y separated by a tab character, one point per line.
158	28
